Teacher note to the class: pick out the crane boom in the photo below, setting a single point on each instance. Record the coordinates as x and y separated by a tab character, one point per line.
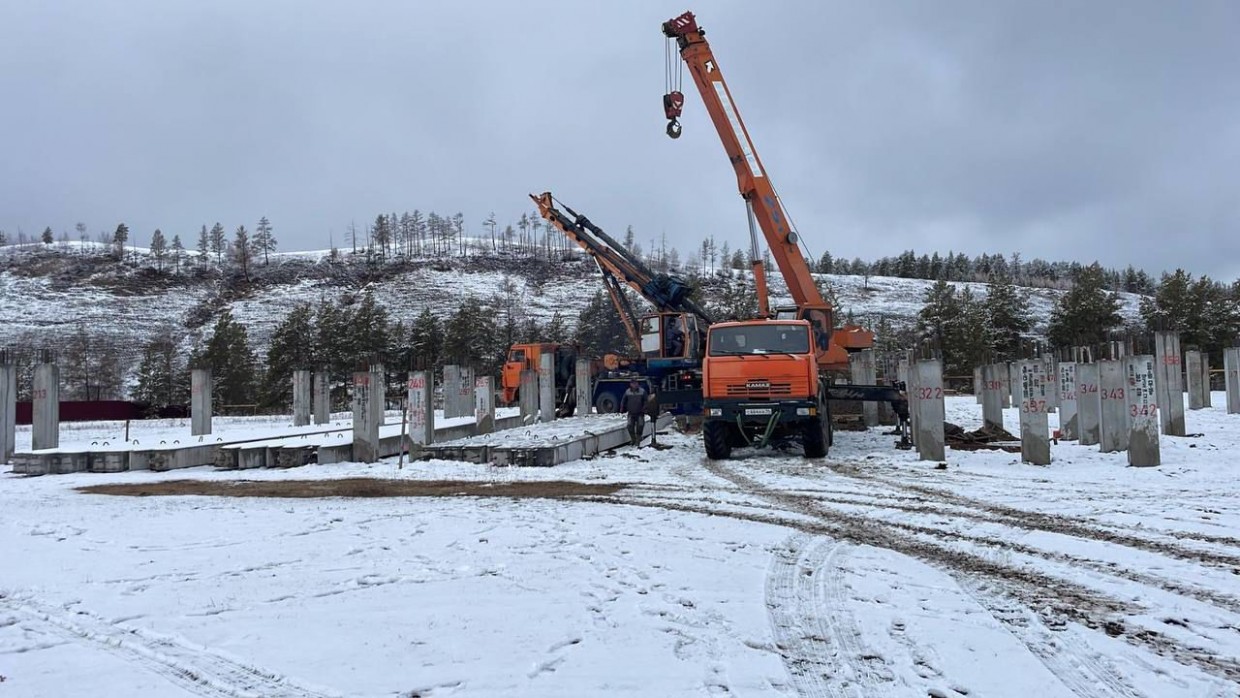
665	292
752	180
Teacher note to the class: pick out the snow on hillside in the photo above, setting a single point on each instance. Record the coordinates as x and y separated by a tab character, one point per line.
901	299
36	305
33	304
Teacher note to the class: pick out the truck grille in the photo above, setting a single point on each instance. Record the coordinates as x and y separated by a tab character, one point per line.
769	389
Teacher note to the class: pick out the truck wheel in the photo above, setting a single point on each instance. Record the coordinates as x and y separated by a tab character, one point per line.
607	404
814	437
715	436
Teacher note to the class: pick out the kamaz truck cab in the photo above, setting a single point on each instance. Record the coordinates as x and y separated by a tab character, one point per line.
761	387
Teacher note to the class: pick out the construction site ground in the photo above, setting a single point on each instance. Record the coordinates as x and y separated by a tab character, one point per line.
638	572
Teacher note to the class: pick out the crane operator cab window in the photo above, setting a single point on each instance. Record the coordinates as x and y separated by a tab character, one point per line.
821	322
673	338
650	336
516	356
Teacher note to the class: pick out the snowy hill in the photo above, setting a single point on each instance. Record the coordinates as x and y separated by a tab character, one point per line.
48	293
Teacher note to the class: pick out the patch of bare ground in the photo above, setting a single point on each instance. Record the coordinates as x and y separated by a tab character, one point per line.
356	488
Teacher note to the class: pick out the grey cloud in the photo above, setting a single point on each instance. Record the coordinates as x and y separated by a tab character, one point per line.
1062	130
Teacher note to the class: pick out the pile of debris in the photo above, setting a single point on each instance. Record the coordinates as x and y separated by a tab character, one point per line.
987	438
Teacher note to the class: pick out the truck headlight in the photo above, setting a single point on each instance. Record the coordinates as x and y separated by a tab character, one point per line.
802	411
714	412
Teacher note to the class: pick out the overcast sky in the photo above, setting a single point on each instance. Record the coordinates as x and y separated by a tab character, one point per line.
1067	130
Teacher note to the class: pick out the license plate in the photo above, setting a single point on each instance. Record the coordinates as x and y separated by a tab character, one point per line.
757	410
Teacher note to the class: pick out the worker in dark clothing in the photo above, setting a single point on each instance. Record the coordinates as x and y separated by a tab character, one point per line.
634	405
675	339
652	411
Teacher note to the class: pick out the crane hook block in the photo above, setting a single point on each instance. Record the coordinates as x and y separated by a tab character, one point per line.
673	129
673	104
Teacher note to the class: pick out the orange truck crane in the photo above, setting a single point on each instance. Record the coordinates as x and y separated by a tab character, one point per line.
668	343
764	380
763	207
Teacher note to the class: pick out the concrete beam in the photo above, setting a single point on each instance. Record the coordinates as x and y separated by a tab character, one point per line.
991	385
1035	441
1170	382
1114	403
200	401
1142	407
484	404
1088	403
1192	373
1231	374
927	402
909	365
527	398
546	388
451	390
1069	420
322	397
301	398
45	432
365	425
421	408
8	411
864	373
585	387
1206	392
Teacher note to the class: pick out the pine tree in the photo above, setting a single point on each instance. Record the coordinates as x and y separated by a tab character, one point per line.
381	235
119	238
289	351
48	237
1007	317
232	364
159	373
372	329
178	252
334	339
557	329
826	264
1087	313
264	239
1204	312
159	247
242	251
204	245
1172	305
939	313
470	337
218	242
491	223
599	328
956	324
426	342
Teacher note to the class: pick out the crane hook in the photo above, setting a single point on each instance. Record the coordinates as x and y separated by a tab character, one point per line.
673	129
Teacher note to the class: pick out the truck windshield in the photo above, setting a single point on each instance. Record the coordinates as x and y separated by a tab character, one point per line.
771	338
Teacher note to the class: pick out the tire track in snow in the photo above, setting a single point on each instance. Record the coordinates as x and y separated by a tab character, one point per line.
1055	523
818	638
812	663
195	669
879	500
1059	601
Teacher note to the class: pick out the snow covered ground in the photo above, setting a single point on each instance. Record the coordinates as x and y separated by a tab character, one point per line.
867	574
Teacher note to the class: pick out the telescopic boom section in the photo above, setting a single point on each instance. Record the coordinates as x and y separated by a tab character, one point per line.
665	292
755	187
